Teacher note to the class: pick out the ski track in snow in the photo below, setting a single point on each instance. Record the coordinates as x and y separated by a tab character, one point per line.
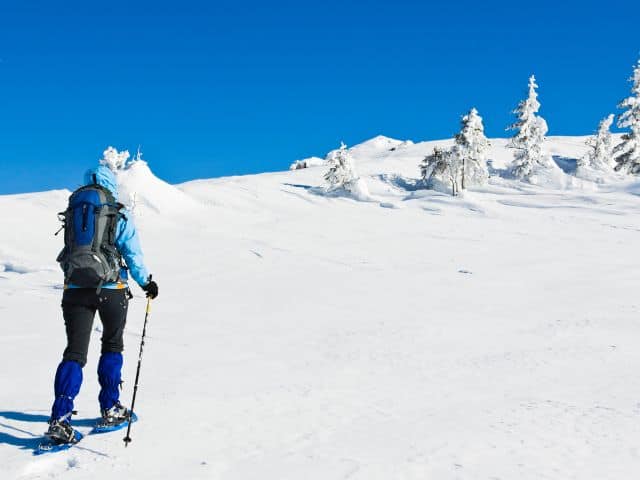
490	336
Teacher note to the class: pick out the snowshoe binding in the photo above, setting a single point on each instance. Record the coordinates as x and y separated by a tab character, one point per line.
60	432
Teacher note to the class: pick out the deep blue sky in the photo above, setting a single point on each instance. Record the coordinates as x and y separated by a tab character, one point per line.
231	87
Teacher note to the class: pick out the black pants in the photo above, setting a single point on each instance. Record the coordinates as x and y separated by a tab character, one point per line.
79	307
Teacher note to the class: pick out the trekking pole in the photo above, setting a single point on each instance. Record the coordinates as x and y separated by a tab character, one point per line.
127	439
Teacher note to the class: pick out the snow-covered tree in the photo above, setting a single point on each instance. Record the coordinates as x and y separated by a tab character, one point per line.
600	154
441	167
113	159
433	165
342	175
628	152
530	136
342	171
470	147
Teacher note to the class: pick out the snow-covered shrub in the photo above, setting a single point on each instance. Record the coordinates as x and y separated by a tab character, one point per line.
628	152
600	154
113	159
441	170
530	136
470	147
306	163
342	174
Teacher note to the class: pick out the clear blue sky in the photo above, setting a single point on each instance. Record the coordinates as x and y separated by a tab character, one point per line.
232	87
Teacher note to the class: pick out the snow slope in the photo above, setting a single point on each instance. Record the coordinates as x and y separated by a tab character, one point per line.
297	336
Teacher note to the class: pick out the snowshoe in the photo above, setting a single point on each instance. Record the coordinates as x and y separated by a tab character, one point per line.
60	436
114	418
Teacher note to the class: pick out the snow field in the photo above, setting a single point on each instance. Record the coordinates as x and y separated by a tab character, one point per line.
296	335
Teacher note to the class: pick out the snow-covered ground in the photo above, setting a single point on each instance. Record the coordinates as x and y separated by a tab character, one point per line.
299	336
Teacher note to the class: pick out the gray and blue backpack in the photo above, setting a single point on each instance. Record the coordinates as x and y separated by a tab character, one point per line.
90	258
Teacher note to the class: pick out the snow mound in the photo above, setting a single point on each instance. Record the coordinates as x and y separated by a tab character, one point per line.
380	142
140	188
360	191
355	190
307	162
377	147
549	175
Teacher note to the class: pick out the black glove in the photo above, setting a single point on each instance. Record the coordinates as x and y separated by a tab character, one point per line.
151	288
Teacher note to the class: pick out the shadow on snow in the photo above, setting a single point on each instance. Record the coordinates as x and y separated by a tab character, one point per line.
32	441
566	164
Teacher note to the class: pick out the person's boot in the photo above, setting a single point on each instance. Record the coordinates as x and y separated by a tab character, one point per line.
61	431
114	416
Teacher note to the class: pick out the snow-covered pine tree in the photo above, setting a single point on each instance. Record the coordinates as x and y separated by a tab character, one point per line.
113	159
530	136
628	152
433	165
470	147
600	155
342	172
441	167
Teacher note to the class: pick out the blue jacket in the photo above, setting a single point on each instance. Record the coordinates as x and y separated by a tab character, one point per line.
127	239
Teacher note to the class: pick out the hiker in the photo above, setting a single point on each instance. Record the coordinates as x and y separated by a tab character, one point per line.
101	245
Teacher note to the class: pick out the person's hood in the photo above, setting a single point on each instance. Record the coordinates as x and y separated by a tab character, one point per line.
102	175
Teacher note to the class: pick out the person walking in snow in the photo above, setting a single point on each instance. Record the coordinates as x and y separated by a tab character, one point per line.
101	245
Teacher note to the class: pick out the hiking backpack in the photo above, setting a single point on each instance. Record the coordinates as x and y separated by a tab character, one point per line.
90	257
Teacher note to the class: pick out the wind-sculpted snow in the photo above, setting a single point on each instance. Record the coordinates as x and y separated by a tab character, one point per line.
305	336
139	186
